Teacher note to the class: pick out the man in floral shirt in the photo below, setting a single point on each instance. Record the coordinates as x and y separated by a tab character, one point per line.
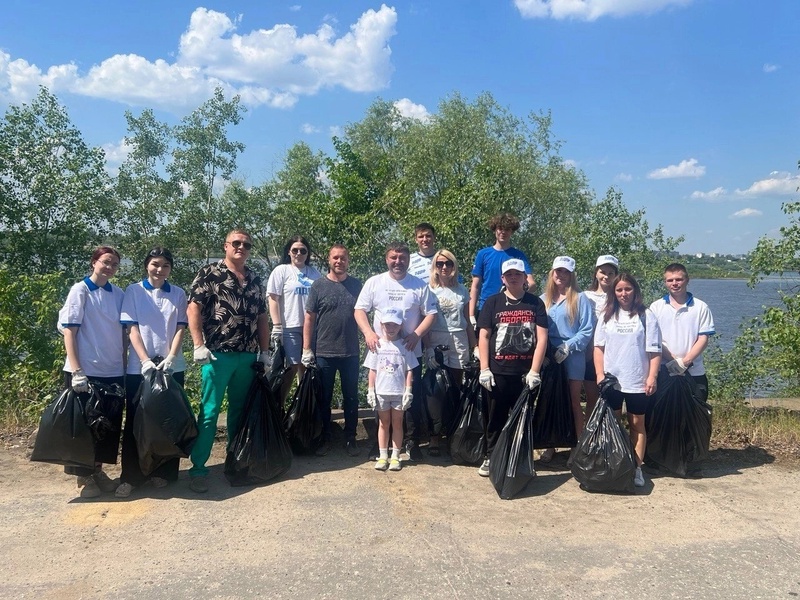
229	324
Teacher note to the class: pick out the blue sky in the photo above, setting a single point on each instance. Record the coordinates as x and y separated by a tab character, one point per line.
689	107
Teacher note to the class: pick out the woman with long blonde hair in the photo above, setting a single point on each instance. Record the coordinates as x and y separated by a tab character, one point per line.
571	323
452	327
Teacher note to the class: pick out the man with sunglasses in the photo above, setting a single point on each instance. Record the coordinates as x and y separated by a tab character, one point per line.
397	289
229	325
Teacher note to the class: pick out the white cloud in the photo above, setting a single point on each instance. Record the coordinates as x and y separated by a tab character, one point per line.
590	10
768	68
715	194
778	184
309	128
117	152
295	7
746	212
411	110
623	177
686	168
265	66
571	163
335	130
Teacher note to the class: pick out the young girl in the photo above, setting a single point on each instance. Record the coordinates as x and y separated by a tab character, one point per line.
512	340
154	311
605	270
628	345
93	339
390	387
571	323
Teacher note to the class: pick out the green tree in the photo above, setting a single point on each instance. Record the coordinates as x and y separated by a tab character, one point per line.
203	161
612	228
55	195
146	195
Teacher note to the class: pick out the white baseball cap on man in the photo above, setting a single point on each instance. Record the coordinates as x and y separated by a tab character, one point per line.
513	264
607	259
564	262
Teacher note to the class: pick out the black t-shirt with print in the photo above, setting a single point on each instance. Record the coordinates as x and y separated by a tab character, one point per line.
513	331
336	331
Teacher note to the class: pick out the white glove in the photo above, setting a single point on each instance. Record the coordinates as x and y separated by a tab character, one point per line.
532	380
80	382
486	379
561	353
265	358
430	359
372	398
203	356
405	403
277	334
308	357
676	367
476	354
148	367
474	321
168	364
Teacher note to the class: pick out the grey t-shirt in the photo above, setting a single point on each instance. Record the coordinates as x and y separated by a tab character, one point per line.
336	332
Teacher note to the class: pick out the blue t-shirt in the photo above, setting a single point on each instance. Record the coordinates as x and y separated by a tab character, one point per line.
487	266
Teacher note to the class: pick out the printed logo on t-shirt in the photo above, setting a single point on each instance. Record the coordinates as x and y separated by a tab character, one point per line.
515	334
304	284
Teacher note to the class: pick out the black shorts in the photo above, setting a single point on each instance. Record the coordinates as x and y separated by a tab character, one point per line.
590	374
635	404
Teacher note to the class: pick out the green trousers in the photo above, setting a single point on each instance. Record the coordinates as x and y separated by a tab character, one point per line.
232	371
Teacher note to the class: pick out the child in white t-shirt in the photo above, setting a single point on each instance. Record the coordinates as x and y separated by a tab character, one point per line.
390	386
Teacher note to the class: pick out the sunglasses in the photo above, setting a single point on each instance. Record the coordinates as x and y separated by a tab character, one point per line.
240	244
444	263
298	251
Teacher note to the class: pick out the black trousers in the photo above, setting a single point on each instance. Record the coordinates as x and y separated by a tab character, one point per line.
504	394
414	416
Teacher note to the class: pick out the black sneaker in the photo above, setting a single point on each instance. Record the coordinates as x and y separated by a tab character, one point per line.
351	447
413	451
323	448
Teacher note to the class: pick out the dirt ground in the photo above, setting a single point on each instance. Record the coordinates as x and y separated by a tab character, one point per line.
333	527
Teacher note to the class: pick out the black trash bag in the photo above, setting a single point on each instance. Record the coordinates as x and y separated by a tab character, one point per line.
467	440
439	392
103	408
603	460
164	426
303	421
260	450
278	369
511	463
678	424
64	437
553	421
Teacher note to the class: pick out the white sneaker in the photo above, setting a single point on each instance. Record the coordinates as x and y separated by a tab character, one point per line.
394	464
638	478
483	470
382	464
124	490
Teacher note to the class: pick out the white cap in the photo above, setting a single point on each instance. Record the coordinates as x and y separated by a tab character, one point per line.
564	262
391	315
513	264
606	259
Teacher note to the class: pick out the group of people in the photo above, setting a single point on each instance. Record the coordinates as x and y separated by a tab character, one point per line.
417	304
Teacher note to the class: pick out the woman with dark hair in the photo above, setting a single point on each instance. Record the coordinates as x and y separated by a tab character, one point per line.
154	311
93	339
628	346
288	287
605	270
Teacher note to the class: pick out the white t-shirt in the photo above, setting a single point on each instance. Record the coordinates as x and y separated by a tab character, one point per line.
681	327
420	266
625	348
391	361
410	295
450	302
292	285
158	312
598	299
95	312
